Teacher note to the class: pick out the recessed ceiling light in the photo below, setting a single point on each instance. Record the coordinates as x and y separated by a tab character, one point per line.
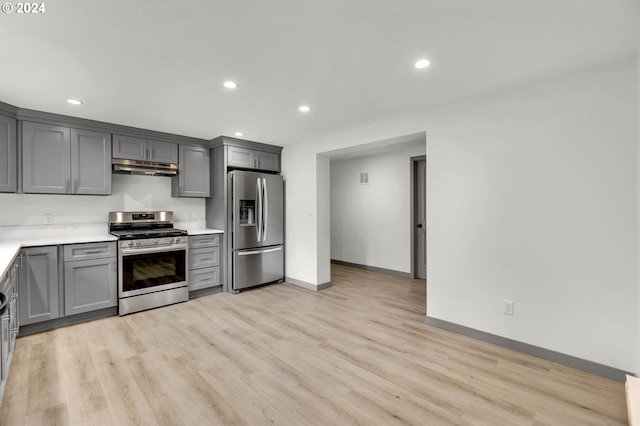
238	133
422	63
304	108
230	84
74	102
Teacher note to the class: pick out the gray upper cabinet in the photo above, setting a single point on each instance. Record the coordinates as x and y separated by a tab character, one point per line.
268	161
163	152
60	160
246	158
193	173
8	154
90	162
46	158
130	148
241	157
38	285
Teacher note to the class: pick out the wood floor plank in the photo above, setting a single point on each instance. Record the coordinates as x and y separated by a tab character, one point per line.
355	353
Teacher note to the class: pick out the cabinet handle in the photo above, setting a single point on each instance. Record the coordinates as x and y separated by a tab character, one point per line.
94	252
150	153
181	190
20	259
205	258
206	279
68	185
75	186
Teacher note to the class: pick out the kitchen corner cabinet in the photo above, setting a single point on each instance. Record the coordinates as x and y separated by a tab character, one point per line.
193	173
38	285
204	261
8	154
60	160
89	277
130	148
245	158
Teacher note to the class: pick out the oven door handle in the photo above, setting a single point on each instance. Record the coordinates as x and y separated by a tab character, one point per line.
153	249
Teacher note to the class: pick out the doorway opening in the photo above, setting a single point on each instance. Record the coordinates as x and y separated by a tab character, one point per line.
370	192
419	217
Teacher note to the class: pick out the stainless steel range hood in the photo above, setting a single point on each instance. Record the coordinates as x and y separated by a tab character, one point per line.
136	167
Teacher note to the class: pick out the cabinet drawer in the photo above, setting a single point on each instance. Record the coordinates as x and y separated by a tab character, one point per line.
203	278
86	251
204	257
210	240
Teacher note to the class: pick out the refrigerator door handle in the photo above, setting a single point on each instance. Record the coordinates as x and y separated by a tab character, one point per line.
265	210
252	252
259	209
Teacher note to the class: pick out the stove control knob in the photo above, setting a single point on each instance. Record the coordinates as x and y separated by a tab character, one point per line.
177	240
130	243
171	241
138	243
155	241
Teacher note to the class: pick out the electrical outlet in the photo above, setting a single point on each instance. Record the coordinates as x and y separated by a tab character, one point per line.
48	218
508	307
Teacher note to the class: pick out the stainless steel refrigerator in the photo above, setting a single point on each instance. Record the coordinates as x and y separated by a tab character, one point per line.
257	218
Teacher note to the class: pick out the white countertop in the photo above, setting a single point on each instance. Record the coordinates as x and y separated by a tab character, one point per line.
204	231
13	239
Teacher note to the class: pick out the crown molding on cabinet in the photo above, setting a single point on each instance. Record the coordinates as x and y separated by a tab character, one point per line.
243	143
100	126
9	110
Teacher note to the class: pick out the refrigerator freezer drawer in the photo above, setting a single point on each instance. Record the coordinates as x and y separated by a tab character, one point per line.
257	266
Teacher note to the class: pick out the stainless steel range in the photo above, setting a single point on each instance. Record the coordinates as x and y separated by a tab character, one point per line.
152	260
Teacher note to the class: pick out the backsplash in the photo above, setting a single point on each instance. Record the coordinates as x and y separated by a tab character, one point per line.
129	192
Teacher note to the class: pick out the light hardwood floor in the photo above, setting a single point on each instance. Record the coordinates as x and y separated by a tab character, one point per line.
356	353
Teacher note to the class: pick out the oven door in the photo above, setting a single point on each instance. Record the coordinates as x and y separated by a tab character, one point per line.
147	270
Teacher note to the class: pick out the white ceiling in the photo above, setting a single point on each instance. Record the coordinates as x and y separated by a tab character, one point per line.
160	64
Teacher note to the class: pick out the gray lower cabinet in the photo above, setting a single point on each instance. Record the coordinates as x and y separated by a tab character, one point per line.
246	158
89	284
38	285
8	323
193	173
131	148
204	261
8	154
61	160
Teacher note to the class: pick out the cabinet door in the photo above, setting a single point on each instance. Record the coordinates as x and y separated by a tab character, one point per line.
240	157
163	152
5	337
46	158
8	154
38	285
268	161
193	173
129	148
90	162
89	285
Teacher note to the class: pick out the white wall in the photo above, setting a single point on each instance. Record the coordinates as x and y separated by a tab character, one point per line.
129	192
638	210
371	224
531	197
